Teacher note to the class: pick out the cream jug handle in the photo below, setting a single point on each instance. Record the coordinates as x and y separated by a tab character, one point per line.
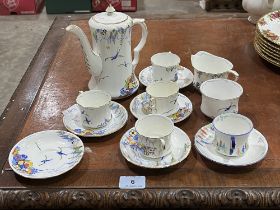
236	75
142	42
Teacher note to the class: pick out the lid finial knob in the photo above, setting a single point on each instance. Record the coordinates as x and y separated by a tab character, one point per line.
110	10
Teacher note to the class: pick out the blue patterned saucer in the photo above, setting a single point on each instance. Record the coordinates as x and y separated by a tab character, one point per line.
184	75
72	121
184	111
205	145
132	152
46	154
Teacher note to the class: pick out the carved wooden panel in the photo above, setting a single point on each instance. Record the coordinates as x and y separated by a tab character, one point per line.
166	198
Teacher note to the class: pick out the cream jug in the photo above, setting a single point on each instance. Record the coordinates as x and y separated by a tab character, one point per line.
109	60
208	66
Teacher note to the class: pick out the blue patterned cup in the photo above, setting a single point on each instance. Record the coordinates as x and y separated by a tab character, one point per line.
231	133
165	66
95	108
154	135
161	98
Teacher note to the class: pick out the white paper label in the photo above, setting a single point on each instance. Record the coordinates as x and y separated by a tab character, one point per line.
132	182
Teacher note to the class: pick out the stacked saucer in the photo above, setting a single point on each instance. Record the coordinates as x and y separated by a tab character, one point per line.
267	38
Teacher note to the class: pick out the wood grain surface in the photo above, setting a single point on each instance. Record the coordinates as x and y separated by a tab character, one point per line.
103	164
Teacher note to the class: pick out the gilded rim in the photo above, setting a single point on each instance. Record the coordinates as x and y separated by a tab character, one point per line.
268	51
264	56
272	52
263	39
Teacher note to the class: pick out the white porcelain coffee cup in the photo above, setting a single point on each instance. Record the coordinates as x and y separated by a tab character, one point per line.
154	135
161	98
220	96
231	133
165	66
95	108
208	66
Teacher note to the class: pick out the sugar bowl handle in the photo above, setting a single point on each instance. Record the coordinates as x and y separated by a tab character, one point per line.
142	42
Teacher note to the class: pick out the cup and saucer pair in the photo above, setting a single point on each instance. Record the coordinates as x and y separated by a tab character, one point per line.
184	77
166	67
236	153
144	151
185	107
76	116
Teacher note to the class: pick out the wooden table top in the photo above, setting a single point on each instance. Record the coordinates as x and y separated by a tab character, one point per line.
58	72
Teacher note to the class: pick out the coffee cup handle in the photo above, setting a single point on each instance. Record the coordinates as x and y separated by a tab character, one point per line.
149	106
235	74
152	103
162	143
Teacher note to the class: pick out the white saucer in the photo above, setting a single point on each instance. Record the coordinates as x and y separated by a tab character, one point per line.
46	154
185	107
181	147
72	121
205	145
185	76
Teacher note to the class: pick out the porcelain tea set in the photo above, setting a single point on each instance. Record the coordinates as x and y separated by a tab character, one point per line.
154	141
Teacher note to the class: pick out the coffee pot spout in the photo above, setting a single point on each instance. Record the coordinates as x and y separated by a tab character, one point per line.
92	59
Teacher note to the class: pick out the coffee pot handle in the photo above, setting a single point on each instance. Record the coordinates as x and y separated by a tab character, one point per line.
235	74
142	42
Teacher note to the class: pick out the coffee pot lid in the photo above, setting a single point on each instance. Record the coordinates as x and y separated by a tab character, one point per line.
110	16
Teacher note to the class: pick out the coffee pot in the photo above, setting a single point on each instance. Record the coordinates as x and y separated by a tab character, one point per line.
109	60
257	8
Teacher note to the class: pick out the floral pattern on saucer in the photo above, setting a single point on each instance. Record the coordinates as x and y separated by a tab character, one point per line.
72	121
184	76
205	144
133	153
46	154
185	107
